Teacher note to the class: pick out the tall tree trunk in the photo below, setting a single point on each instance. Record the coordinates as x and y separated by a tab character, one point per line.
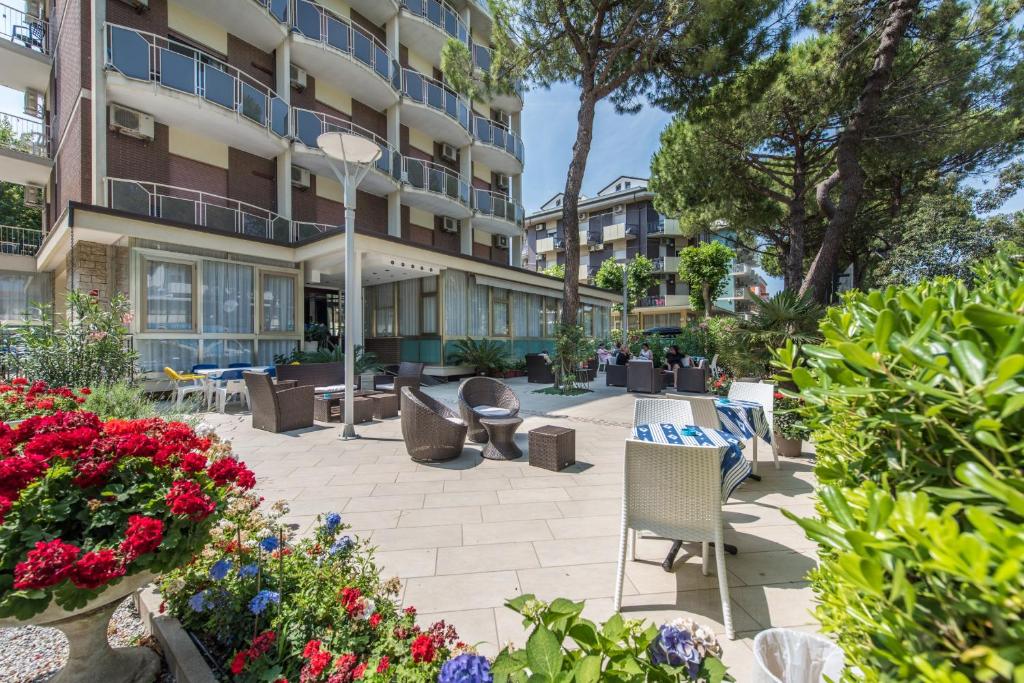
706	294
849	176
570	203
793	268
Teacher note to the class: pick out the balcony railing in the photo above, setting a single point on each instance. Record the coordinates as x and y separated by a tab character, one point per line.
20	241
659	264
559	242
208	210
308	125
496	135
143	56
276	8
436	95
498	205
24	29
27	136
441	15
431	177
320	24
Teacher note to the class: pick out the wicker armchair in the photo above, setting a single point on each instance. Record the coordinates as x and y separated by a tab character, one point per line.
643	376
693	380
485	397
323	376
538	371
615	376
409	375
279	407
432	431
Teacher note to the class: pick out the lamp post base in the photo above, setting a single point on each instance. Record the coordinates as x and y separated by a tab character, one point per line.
348	433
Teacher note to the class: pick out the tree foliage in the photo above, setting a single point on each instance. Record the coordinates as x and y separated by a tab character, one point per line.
704	267
555	270
639	275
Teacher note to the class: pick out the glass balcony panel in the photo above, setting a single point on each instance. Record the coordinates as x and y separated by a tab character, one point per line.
451	23
279	10
463	110
177	71
279	116
396	75
416	173
307	19
220	88
482	57
130	197
338	34
381	63
220	218
436	181
414	85
363	47
483	129
451	104
307	127
483	202
384	163
281	230
451	186
435	96
254	104
129	53
257	226
499	137
396	165
434	12
463	192
304	231
416	6
177	209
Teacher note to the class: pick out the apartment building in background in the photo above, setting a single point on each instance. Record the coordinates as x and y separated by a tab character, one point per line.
619	223
172	147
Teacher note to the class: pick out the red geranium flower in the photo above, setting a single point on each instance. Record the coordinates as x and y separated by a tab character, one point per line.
312	647
193	462
238	663
19	471
144	535
345	666
360	670
19	381
228	470
96	568
422	649
85	391
375	619
47	565
5	506
187	498
384	664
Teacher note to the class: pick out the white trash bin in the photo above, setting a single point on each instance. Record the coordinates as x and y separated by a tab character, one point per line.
782	655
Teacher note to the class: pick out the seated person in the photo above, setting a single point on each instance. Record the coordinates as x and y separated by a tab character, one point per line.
623	355
686	361
544	354
646	353
602	354
673	358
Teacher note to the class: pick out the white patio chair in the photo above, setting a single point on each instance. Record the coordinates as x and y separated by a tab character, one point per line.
232	388
714	365
763	393
703	409
658	410
675	492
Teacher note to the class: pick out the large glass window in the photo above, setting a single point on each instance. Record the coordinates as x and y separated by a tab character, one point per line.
177	354
428	314
227	297
224	352
169	296
271	349
20	291
278	303
384	313
499	312
587	319
479	312
550	316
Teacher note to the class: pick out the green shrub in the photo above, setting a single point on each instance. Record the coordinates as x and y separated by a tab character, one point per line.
126	402
915	399
573	348
485	355
366	361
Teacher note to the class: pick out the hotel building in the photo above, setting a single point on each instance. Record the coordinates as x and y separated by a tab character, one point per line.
172	147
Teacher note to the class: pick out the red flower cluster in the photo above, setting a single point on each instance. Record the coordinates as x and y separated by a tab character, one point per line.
47	565
260	645
230	471
350	600
97	568
186	498
423	649
21	399
317	660
144	535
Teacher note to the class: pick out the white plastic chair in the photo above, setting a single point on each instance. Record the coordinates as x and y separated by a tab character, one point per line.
714	365
676	492
602	361
703	409
763	393
658	410
233	388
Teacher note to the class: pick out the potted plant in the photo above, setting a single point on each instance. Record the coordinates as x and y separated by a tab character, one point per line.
90	511
789	431
486	357
719	386
316	337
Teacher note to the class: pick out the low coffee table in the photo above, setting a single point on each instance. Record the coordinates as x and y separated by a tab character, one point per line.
331	407
501	432
323	405
384	405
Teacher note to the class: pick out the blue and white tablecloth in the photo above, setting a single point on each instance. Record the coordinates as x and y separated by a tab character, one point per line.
744	419
735	467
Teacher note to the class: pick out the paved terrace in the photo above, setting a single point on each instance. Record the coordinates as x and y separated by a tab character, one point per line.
467	534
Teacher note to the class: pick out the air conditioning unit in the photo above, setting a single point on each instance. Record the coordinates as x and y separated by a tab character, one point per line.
300	178
35	196
33	103
504	118
130	122
450	224
619	208
449	152
596	247
297	76
502	181
501	241
137	4
582	216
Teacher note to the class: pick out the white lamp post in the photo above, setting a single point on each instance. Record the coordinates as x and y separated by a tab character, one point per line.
355	155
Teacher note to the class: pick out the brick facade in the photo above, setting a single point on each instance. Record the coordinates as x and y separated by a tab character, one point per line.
100	267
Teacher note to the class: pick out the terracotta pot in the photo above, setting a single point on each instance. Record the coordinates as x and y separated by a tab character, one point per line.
90	657
790	448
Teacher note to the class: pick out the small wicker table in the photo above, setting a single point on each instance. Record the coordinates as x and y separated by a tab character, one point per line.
323	405
331	408
501	432
384	405
552	448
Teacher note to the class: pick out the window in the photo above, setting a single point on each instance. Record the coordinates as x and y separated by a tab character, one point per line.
19	291
499	312
278	303
618	187
587	319
428	305
550	316
170	301
157	354
627	184
227	297
384	311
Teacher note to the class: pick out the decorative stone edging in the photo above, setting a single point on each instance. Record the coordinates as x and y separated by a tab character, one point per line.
182	656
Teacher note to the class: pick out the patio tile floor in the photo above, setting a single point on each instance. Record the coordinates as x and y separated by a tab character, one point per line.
466	535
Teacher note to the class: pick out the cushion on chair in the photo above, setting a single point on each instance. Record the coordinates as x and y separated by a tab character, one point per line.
329	388
456	420
387	387
492	411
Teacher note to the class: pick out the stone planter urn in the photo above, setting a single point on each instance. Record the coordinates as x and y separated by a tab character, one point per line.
790	448
90	657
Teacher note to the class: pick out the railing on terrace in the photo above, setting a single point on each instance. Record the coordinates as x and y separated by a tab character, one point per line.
276	8
558	242
431	177
28	136
659	263
320	24
649	301
436	95
208	210
308	125
24	29
498	205
148	57
441	15
496	135
18	240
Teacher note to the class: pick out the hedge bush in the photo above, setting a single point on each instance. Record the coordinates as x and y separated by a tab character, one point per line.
915	399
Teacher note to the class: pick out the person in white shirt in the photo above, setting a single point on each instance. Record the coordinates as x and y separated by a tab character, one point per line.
646	353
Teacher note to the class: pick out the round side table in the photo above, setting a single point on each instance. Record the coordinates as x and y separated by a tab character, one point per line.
501	432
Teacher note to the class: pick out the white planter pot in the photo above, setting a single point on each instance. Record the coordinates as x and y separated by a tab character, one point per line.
90	657
310	346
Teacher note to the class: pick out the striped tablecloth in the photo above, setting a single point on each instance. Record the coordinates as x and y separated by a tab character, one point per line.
744	419
735	467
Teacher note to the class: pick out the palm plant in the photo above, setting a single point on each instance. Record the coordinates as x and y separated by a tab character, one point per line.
786	315
486	356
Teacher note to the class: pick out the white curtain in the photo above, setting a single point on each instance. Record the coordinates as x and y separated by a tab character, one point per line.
520	301
535	315
428	321
409	308
276	347
278	303
500	301
385	312
479	316
19	291
455	296
177	354
224	352
169	290
227	297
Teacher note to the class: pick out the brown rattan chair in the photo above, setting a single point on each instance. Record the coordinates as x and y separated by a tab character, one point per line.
615	375
409	375
432	431
485	397
279	407
643	376
538	370
325	377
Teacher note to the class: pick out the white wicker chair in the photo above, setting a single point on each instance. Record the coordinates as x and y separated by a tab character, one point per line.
658	410
763	393
703	409
714	365
676	492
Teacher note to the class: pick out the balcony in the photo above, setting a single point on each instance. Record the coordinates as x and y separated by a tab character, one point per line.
19	241
617	231
366	67
666	227
434	108
263	23
377	11
426	25
587	272
195	207
545	244
497	147
511	101
197	91
24	155
384	178
434	188
666	264
25	50
497	214
669	300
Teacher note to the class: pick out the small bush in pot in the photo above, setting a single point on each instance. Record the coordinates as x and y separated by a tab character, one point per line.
790	432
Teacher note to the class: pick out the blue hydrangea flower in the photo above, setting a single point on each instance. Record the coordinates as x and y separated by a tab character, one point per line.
200	602
341	544
262	600
675	647
220	569
248	570
270	544
331	521
466	668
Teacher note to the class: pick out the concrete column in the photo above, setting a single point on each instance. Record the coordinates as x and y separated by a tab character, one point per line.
282	82
466	237
391	35
515	252
466	171
395	214
359	337
395	140
98	109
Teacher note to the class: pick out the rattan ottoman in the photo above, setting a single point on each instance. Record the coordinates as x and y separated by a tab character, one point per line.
323	405
552	448
362	409
384	405
501	434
